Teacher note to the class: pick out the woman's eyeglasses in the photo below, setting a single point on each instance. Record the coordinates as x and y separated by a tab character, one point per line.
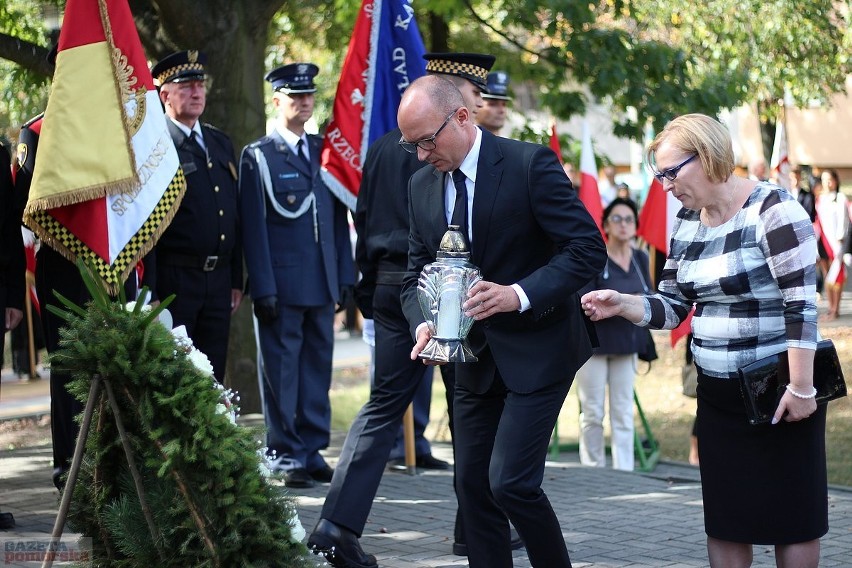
671	173
618	219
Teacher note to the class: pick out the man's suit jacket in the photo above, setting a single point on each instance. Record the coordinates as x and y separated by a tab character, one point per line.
530	228
284	257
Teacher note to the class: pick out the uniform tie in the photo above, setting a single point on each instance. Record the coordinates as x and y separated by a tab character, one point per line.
459	216
300	150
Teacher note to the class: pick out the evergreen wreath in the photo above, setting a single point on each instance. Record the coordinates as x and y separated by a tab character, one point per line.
206	493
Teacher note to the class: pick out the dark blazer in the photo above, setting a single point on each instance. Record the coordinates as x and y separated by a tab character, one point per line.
529	227
285	257
206	223
12	262
381	215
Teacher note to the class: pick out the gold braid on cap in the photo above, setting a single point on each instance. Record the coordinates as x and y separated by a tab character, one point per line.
455	68
168	73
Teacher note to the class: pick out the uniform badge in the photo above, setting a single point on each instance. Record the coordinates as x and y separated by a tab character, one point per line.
22	154
192	55
291	199
233	169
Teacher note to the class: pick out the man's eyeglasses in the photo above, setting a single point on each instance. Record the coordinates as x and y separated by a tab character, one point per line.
671	173
618	219
426	144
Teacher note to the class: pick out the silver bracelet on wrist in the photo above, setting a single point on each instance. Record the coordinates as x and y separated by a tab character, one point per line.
812	394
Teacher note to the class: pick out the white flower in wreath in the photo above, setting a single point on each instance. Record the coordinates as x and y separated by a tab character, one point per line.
297	531
200	361
131	306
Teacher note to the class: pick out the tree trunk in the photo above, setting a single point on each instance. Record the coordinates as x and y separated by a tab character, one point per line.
234	35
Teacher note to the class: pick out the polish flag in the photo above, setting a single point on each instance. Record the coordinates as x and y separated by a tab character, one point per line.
107	180
780	163
554	141
589	194
656	219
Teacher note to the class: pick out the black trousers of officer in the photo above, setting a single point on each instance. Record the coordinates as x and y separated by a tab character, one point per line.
373	432
203	304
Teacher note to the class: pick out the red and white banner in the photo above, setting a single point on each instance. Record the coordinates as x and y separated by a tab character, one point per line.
107	179
385	56
780	162
589	194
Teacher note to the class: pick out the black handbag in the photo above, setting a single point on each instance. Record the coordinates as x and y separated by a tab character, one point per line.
649	351
763	382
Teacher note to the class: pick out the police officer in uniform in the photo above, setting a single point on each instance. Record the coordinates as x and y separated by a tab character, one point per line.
492	115
299	260
199	256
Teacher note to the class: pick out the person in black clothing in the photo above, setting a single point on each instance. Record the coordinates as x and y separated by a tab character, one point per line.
199	256
12	267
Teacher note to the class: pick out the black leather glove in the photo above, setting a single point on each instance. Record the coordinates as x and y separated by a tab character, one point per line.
266	309
345	298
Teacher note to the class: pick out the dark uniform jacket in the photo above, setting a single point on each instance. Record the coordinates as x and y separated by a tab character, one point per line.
205	230
381	216
12	261
302	259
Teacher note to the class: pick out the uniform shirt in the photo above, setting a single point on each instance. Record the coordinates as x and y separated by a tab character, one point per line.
753	280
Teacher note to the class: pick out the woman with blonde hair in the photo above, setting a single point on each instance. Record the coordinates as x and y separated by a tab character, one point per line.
743	252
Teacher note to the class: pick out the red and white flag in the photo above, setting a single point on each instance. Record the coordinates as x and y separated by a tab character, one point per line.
657	217
589	194
780	162
554	141
107	180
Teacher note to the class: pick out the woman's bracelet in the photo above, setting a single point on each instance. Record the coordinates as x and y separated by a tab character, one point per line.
812	394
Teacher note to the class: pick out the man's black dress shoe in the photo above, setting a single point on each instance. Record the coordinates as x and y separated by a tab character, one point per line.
298	478
339	547
460	548
426	461
322	475
7	521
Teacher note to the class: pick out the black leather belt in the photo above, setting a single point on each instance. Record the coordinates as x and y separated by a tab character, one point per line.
205	263
390	277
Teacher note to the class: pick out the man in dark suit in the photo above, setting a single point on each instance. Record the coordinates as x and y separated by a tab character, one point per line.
299	259
536	246
198	258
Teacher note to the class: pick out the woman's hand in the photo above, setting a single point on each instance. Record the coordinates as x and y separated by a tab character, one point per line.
602	304
792	408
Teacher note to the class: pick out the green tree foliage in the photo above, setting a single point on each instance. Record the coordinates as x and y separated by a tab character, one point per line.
24	71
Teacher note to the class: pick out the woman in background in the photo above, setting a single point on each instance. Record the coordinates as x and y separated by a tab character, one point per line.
832	209
613	364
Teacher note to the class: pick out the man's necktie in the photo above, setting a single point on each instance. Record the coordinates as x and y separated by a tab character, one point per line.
193	140
300	150
459	216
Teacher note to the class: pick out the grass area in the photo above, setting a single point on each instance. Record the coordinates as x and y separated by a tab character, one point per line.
669	413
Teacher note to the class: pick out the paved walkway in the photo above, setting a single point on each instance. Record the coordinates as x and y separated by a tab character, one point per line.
609	518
